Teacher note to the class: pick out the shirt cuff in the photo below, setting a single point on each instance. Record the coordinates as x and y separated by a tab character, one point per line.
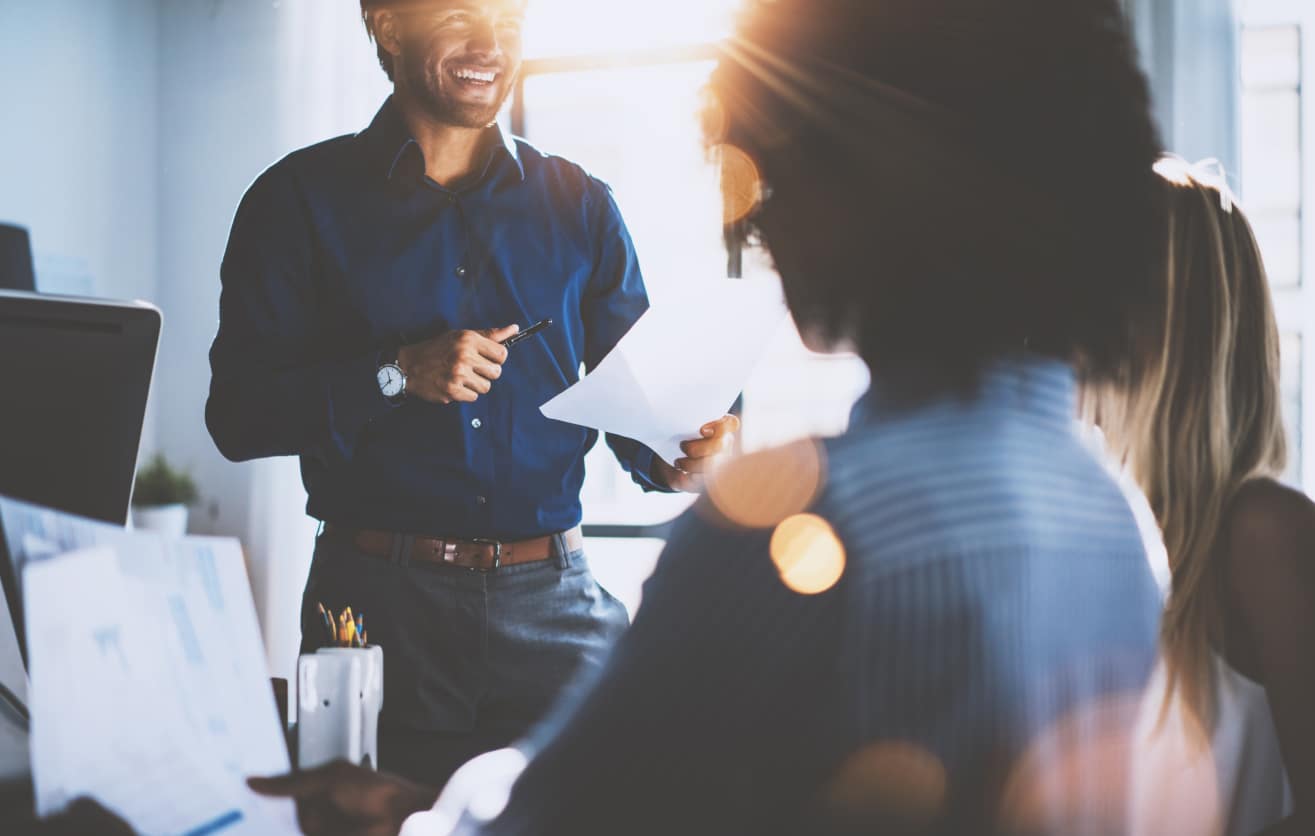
642	469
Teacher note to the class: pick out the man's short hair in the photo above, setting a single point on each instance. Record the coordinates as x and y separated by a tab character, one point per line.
988	168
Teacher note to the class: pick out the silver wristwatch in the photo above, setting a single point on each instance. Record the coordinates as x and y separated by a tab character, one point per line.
392	380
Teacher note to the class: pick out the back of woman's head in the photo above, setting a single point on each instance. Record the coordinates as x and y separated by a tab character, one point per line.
1199	413
949	180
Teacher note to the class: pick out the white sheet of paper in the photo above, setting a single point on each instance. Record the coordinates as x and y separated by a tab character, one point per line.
166	728
682	365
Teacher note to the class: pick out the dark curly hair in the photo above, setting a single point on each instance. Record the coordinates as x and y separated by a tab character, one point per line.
947	181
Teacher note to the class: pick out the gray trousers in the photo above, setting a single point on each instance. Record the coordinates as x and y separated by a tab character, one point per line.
471	660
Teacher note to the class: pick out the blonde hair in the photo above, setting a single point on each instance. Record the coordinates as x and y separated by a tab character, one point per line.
1198	414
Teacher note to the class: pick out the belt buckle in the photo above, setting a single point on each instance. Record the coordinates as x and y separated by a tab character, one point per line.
497	552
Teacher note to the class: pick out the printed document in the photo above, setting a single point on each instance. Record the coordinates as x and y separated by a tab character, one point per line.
148	684
682	365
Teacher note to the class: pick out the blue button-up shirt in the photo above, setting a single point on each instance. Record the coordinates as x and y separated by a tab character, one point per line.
343	251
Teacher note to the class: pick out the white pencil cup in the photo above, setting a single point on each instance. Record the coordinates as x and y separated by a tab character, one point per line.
340	691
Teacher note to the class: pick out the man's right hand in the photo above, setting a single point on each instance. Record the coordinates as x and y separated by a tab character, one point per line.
456	367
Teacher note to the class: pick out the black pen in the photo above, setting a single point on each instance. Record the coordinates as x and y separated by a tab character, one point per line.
527	333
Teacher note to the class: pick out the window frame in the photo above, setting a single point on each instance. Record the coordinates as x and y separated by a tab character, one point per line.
1294	305
599	61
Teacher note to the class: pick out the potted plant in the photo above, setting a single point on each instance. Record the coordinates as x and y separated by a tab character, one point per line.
161	497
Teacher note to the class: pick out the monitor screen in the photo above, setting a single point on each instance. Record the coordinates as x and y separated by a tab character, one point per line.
75	375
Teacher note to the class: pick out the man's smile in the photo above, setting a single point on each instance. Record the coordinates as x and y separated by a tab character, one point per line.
475	76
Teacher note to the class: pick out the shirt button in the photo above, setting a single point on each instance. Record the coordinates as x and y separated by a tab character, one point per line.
479	500
461	272
477	423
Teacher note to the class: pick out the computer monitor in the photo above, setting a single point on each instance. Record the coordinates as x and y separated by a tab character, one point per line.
16	272
74	378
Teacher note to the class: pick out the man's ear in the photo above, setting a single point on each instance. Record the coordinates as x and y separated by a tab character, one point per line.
383	24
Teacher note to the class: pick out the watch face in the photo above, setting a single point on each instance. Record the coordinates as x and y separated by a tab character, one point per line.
391	381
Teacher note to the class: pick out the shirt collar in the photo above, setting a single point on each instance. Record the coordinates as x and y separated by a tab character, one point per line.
1042	388
398	154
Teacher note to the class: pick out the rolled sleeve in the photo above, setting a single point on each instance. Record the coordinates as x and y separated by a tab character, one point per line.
270	392
639	461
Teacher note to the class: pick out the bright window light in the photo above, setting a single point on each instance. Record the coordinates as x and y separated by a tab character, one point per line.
584	27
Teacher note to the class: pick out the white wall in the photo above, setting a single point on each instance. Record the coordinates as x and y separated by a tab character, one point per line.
77	154
242	83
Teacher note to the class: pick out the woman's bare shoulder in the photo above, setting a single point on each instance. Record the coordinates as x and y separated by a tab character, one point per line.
1270	532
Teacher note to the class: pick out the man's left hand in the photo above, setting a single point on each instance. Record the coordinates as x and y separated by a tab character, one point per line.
701	455
341	798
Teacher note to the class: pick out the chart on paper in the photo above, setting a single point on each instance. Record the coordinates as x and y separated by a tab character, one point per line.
161	635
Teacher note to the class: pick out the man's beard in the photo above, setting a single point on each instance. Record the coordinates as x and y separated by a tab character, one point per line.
426	84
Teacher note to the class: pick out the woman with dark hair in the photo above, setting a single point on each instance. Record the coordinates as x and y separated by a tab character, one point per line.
941	621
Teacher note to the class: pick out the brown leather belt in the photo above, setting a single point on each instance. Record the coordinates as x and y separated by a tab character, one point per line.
476	555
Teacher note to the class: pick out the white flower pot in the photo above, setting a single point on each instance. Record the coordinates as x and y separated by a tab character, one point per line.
169	520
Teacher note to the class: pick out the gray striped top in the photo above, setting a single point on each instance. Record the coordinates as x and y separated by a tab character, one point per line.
969	671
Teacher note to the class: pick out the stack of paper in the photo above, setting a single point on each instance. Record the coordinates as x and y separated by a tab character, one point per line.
148	685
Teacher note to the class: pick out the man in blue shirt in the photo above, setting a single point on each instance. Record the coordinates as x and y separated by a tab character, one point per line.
368	286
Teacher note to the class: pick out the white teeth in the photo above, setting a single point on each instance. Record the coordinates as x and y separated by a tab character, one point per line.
476	75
